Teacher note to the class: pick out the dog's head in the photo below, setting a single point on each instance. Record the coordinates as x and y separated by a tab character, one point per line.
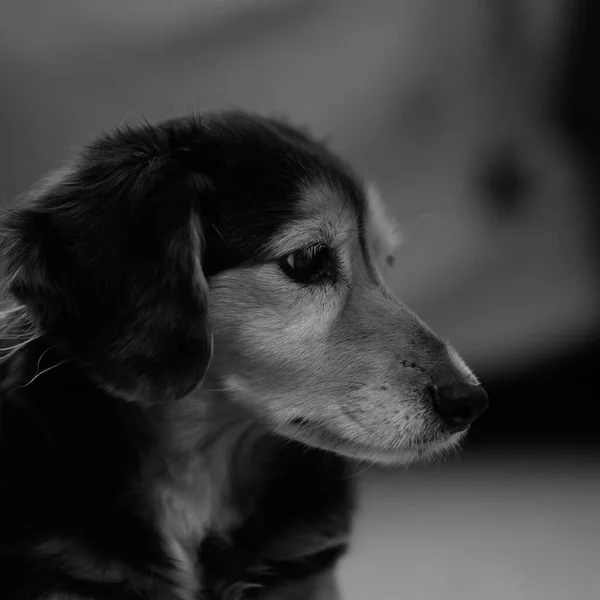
242	230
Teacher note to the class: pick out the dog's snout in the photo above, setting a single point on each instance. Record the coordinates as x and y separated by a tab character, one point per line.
459	405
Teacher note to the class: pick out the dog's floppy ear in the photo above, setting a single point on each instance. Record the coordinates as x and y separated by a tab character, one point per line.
107	258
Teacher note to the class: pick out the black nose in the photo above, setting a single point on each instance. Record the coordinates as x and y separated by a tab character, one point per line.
459	405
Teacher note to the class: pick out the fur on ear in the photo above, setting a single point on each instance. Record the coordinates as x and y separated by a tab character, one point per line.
107	258
384	233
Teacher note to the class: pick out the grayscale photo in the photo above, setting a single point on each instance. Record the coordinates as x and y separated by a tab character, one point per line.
300	300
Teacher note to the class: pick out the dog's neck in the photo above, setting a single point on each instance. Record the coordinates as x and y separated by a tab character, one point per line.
212	451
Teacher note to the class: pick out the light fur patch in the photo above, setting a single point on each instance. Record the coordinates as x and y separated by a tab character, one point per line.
326	218
204	433
283	317
51	180
461	365
184	507
382	230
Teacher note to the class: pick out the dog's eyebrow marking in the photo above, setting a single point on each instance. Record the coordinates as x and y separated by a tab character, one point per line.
320	220
300	234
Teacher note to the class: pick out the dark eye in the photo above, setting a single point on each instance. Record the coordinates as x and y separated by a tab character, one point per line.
308	265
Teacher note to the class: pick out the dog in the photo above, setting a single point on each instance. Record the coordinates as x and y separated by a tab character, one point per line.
198	347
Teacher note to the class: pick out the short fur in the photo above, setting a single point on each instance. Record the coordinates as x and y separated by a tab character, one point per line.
177	414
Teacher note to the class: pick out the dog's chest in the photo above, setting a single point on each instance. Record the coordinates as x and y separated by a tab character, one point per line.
184	513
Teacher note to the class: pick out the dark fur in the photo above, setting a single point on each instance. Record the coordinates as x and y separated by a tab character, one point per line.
104	266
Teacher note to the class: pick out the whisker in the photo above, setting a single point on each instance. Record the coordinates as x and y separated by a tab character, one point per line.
37	368
42	372
219	233
15	325
343	209
357	473
127	115
355	420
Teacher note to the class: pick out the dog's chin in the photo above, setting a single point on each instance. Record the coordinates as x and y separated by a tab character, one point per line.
324	438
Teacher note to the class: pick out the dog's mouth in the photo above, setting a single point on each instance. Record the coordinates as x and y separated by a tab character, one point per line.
324	437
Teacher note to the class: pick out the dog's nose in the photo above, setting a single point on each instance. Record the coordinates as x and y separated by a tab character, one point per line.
459	405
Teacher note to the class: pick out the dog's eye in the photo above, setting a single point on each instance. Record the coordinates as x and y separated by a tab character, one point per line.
308	265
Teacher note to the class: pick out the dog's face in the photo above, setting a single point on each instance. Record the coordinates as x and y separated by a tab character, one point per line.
239	246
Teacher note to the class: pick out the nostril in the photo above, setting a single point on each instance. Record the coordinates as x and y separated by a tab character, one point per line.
460	414
459	405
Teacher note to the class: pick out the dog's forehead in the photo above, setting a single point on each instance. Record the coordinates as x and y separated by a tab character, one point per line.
323	213
330	208
328	204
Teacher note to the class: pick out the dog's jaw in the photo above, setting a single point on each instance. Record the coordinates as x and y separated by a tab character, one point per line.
325	439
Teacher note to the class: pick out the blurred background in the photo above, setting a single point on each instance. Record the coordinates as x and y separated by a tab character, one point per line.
478	120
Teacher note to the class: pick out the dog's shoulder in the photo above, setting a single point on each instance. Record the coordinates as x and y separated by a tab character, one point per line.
73	508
